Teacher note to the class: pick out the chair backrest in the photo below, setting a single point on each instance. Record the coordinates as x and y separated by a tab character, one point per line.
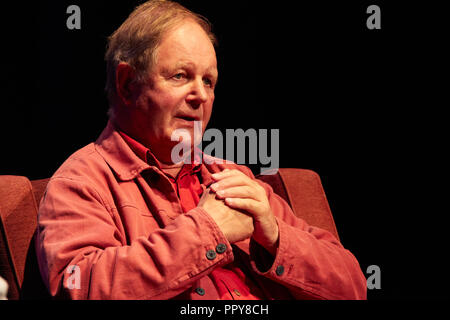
18	222
302	190
20	197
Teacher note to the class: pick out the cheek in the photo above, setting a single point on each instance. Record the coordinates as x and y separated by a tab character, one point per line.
207	112
159	108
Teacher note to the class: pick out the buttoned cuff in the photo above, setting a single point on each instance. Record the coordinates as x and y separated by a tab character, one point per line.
264	263
217	251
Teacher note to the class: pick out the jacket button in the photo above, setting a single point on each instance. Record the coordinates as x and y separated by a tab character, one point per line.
221	248
200	291
280	270
211	254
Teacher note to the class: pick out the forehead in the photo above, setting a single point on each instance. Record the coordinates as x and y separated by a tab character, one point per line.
187	43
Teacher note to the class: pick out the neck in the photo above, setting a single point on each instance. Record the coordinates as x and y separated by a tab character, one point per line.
171	170
161	153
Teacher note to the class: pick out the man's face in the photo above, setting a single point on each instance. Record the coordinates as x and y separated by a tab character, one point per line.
180	89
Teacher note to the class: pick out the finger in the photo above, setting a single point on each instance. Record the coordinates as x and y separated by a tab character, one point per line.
231	181
250	206
244	192
208	193
226	173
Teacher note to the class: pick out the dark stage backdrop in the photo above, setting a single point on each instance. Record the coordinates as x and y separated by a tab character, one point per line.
363	108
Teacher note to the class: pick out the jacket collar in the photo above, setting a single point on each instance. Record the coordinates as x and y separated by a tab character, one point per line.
119	156
127	165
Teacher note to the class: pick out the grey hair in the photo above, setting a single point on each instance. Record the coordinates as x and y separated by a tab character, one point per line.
136	40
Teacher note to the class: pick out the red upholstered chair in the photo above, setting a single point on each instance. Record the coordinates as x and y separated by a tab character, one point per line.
302	190
18	221
19	201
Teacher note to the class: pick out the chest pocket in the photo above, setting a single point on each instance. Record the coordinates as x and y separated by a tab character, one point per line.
136	222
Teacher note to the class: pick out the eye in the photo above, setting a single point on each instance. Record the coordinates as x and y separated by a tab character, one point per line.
179	76
208	82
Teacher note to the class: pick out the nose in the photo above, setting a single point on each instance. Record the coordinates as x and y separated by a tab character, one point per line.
198	94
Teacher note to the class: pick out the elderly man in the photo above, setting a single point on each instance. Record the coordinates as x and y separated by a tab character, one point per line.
121	220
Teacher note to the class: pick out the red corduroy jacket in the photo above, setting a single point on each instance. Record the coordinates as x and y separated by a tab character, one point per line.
110	226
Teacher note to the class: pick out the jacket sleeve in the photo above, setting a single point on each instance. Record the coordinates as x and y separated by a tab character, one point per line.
83	253
310	261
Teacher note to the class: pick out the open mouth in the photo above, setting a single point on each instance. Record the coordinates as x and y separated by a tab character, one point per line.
188	118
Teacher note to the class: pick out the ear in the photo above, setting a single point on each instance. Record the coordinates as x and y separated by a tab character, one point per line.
124	83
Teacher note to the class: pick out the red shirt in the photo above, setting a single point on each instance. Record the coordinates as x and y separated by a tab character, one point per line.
230	281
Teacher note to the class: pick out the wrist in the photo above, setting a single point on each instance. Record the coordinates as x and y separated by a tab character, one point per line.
271	245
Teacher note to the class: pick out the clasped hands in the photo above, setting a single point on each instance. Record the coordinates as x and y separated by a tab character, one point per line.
240	208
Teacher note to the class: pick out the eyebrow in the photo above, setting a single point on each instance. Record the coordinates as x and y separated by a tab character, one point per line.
212	70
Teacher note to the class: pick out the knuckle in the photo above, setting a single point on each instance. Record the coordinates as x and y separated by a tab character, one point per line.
255	184
255	206
235	171
246	205
263	192
259	187
262	207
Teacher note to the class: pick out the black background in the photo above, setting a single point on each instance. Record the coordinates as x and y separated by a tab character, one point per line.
363	108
